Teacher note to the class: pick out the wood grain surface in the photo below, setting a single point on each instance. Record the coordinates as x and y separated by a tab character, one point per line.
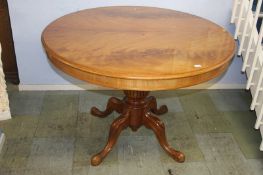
138	48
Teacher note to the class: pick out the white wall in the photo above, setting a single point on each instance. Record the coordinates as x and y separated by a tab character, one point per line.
30	17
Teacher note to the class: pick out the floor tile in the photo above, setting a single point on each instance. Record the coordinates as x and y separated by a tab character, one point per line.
188	168
20	126
229	100
51	156
222	154
53	126
105	169
60	105
83	170
14	156
16	171
139	155
92	126
256	165
212	128
197	102
26	102
242	127
48	171
207	123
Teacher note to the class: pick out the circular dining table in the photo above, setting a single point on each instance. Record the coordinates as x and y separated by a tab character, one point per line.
137	49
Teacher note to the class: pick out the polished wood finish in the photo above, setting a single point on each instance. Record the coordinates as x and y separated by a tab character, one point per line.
6	40
136	110
138	48
114	104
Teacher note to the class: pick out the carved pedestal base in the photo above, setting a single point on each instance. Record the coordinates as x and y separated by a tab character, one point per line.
135	110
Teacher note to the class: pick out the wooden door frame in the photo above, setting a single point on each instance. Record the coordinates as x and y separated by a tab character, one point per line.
6	40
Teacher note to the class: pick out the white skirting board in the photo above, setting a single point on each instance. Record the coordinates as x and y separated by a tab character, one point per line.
2	140
32	87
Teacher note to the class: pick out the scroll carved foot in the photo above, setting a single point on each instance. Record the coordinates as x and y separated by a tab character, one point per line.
117	126
153	106
154	123
114	104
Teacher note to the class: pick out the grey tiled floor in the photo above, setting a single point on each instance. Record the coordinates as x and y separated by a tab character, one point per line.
52	133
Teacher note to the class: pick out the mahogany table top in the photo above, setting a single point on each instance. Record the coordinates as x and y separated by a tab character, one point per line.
138	48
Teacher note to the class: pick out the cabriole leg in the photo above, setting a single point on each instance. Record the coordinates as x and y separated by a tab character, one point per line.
114	104
116	127
154	123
